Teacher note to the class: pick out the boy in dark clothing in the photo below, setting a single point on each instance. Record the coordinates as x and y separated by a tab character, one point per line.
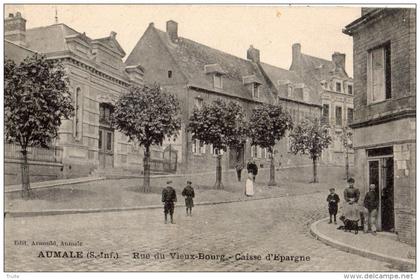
333	200
169	199
188	193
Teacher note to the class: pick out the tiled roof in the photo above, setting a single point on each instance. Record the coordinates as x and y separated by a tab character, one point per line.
16	52
280	76
192	57
48	39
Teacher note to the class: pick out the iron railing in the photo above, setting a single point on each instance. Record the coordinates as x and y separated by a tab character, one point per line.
52	154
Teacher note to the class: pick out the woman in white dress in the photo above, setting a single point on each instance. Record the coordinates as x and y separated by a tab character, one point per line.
249	185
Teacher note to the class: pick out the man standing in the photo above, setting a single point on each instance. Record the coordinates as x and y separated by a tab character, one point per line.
169	199
371	209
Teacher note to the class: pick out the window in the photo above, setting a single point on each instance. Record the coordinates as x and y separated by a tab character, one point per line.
349	115
198	103
198	147
109	141
325	114
215	151
254	152
289	91
379	74
202	148
338	116
338	86
264	153
105	111
100	140
217	80
77	125
256	91
170	74
350	89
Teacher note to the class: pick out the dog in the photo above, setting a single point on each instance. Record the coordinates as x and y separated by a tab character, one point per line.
349	225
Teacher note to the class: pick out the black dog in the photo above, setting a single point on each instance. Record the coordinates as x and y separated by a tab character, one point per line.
349	225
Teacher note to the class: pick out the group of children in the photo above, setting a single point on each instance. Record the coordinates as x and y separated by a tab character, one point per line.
169	199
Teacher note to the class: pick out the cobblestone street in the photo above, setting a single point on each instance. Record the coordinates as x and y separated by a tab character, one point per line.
261	227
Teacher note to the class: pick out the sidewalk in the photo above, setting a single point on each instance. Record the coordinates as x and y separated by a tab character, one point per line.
379	247
125	194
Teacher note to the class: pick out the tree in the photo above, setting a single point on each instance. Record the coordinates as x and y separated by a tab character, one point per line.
147	114
310	138
36	99
219	124
346	140
268	124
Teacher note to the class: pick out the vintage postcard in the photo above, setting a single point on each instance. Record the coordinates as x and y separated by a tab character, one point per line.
210	138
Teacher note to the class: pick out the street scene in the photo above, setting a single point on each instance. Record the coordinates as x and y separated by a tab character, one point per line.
134	142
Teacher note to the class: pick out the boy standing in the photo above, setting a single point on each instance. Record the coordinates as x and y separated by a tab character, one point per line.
169	199
188	193
333	201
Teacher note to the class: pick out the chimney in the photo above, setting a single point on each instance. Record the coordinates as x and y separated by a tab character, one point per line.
296	52
172	30
15	28
253	54
339	60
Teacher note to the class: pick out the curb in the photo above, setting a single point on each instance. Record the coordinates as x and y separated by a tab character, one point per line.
52	184
136	208
408	265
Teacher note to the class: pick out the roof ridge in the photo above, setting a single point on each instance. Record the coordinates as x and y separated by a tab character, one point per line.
320	58
214	49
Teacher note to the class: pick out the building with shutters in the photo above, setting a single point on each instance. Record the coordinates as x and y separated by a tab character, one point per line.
384	44
196	73
330	81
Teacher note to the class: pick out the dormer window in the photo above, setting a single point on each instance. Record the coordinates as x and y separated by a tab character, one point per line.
217	81
338	87
350	89
256	91
169	74
217	71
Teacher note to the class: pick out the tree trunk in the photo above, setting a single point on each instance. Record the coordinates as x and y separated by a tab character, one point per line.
315	170
146	178
347	164
26	188
272	181
218	185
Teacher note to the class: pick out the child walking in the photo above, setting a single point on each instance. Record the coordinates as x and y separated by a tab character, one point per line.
333	200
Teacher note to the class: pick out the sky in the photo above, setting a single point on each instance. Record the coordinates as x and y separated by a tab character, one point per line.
232	29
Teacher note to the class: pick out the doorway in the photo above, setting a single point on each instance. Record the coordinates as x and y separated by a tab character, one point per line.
106	147
381	173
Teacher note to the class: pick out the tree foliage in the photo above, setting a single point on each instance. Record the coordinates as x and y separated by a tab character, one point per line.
147	114
36	99
219	124
268	124
310	138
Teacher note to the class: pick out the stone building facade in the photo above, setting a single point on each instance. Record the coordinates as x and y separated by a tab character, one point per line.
97	76
196	73
330	81
385	113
